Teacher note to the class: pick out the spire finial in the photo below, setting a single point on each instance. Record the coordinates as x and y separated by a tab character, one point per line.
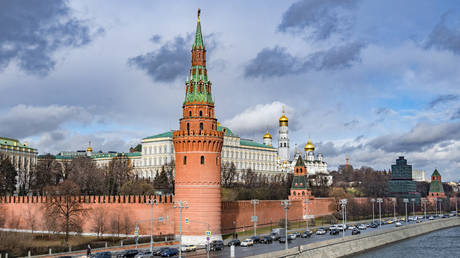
199	11
283	110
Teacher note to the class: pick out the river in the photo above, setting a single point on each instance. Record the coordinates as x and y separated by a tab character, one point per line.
442	243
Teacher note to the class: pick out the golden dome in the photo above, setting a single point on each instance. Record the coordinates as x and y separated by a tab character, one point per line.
283	118
267	136
218	124
89	149
309	146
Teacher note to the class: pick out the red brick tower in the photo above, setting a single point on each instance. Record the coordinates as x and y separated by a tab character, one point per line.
198	145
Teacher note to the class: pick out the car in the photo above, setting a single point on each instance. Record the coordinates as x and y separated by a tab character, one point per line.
275	236
235	242
144	254
390	221
321	231
283	239
157	252
332	227
188	248
292	236
431	218
216	245
362	227
297	234
128	253
398	224
169	252
256	239
334	232
102	255
355	232
306	233
373	225
351	227
266	240
247	242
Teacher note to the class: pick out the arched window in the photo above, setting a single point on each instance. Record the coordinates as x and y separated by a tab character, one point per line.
303	193
201	113
202	160
190	113
188	127
201	125
185	160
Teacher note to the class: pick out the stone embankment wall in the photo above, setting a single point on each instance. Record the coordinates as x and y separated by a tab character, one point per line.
352	245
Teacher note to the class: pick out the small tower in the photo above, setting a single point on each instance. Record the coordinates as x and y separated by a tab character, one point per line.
309	151
89	150
436	189
283	142
268	139
300	188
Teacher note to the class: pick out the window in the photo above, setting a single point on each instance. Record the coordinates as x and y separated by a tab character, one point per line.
188	127
190	113
185	160
217	161
201	113
201	125
202	160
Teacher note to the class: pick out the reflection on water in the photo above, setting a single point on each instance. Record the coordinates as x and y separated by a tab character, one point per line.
442	243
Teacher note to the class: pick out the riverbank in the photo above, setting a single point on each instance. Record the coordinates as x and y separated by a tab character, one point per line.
352	245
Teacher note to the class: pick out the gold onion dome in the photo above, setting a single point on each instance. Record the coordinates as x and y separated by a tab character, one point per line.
309	146
89	149
267	136
283	118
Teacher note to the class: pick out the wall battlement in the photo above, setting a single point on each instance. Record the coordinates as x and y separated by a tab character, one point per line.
106	199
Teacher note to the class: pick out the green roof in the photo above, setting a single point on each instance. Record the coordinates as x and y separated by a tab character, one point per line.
168	134
436	187
13	143
251	143
133	154
198	36
300	182
300	162
226	130
436	173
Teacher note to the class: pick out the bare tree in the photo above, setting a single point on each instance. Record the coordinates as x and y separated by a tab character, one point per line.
99	225
64	207
47	172
118	172
228	174
8	175
89	178
115	223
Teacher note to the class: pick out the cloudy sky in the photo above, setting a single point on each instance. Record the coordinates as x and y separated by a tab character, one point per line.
370	80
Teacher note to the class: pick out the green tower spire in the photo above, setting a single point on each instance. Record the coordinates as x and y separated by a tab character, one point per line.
198	36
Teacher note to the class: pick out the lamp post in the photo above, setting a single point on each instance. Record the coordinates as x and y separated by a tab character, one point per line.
436	206
394	208
456	210
413	207
181	205
372	201
254	218
440	206
379	201
151	202
424	207
307	201
343	203
405	203
286	204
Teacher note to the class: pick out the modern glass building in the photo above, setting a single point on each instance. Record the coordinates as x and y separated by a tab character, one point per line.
401	184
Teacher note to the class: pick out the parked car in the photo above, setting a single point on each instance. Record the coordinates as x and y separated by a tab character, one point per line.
235	242
306	233
431	218
169	252
321	231
283	239
216	245
334	232
102	255
355	232
188	248
398	224
256	239
292	236
297	234
332	227
247	242
157	252
266	240
373	225
351	227
144	254
128	253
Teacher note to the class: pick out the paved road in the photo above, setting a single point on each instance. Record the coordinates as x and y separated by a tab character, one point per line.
276	246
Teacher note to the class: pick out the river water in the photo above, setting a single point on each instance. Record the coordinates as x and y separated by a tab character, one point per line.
442	243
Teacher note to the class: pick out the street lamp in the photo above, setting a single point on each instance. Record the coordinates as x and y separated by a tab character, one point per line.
343	203
440	206
380	200
151	202
405	203
413	207
456	210
181	205
307	201
394	208
436	206
254	218
372	201
424	207
286	204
